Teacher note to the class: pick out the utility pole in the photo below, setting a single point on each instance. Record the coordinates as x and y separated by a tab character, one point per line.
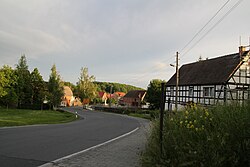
177	81
110	95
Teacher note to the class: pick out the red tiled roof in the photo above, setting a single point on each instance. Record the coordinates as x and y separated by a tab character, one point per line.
101	94
120	94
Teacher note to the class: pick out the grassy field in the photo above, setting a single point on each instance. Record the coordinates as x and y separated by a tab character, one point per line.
17	117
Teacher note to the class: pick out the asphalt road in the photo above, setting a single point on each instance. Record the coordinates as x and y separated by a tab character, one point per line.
36	145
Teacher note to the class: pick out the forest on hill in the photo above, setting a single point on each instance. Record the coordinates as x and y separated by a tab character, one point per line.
105	87
116	87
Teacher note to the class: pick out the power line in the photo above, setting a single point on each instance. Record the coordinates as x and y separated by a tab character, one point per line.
220	20
154	68
205	25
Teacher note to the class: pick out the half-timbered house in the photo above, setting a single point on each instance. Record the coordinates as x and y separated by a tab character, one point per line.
217	80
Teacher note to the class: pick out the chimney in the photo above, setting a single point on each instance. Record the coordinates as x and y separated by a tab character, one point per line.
242	49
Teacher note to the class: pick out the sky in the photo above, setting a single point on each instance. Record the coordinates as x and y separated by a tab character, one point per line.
125	41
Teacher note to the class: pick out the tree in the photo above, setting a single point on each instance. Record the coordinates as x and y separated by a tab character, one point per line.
55	88
38	89
116	87
10	99
3	83
23	87
86	87
8	81
153	95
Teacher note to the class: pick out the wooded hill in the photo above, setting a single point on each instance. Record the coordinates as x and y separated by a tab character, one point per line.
116	87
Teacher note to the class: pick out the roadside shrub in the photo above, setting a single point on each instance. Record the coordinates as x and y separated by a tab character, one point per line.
197	136
142	113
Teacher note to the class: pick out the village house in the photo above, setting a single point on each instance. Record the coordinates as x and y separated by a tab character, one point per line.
103	96
68	99
133	98
213	81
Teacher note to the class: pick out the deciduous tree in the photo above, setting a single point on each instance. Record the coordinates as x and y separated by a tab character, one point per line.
8	80
86	87
153	95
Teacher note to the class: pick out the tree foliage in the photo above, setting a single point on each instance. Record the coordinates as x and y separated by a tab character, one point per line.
38	89
116	87
3	84
8	80
23	87
85	86
153	95
55	88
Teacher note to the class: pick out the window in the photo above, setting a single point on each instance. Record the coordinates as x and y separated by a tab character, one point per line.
208	91
171	91
191	91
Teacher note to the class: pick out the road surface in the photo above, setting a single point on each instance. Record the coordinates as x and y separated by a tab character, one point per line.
36	145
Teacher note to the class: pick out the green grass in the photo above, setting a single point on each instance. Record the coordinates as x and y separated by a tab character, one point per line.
144	116
218	136
17	117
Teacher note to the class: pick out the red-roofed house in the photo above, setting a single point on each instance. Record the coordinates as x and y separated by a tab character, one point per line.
103	96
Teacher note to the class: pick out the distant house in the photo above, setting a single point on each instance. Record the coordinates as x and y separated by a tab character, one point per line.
103	96
77	101
133	98
68	99
217	80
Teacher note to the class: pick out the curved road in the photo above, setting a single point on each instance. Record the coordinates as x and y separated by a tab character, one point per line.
37	145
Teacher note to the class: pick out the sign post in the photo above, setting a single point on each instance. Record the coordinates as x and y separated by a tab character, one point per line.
162	108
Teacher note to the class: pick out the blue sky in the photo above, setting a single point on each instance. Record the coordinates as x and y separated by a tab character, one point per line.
126	41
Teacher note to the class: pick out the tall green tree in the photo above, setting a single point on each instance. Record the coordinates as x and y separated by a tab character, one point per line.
3	84
23	87
38	89
86	87
55	88
8	80
153	95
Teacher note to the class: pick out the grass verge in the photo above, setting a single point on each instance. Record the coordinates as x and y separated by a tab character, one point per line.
219	136
18	117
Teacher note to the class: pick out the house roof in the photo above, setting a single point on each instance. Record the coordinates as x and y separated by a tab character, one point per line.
213	71
102	94
120	94
67	91
135	94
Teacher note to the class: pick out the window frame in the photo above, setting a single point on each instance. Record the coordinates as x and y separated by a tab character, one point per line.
208	91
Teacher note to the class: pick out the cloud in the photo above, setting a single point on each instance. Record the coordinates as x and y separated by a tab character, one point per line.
130	41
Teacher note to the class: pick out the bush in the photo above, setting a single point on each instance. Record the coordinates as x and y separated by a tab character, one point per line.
218	136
